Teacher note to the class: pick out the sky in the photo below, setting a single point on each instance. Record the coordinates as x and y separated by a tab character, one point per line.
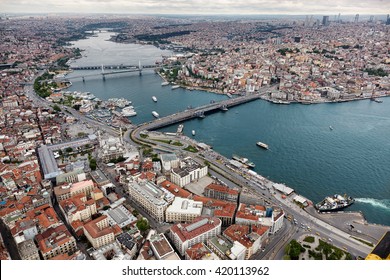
297	7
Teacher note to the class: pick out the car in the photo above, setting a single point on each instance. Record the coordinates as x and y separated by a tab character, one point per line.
330	240
318	233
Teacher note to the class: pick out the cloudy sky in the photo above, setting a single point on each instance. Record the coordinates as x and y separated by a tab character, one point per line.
300	7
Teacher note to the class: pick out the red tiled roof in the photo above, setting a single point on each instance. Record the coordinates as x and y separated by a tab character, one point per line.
181	229
175	189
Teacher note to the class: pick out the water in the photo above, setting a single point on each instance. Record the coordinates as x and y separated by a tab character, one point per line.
353	158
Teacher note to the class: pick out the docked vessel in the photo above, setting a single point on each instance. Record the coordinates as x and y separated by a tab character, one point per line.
244	161
180	129
129	111
263	145
155	114
175	86
334	203
154	98
165	83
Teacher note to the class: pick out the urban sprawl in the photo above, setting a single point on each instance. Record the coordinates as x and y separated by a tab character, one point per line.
76	186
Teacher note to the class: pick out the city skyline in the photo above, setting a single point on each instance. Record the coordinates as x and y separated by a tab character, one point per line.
375	7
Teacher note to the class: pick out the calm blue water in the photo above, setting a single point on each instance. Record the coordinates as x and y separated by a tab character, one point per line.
353	158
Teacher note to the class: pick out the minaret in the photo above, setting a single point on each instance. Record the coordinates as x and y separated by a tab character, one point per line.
120	135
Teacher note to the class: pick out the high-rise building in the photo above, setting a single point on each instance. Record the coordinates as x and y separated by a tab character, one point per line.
388	19
325	20
357	18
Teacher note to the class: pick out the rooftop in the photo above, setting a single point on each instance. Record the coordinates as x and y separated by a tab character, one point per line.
199	226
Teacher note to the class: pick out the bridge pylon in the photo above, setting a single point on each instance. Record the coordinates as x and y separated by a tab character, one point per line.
104	77
140	67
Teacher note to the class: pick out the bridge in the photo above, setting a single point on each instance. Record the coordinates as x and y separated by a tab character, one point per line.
115	69
199	112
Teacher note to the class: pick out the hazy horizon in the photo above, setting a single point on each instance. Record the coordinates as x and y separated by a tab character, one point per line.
199	7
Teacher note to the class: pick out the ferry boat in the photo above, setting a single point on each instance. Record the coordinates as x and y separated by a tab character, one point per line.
193	133
155	114
154	98
262	145
334	203
129	111
244	161
165	83
175	87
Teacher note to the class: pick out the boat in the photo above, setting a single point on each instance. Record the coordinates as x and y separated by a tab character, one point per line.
263	145
129	111
154	98
155	114
175	87
244	161
229	95
193	133
224	108
165	83
378	100
334	203
180	129
330	127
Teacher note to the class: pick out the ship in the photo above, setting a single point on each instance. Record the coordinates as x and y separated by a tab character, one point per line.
165	83
155	114
129	111
244	161
193	132
334	203
154	98
263	145
175	87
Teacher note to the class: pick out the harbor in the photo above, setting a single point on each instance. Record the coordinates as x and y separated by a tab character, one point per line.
302	146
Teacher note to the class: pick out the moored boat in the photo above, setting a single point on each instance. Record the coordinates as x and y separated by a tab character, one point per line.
334	203
244	161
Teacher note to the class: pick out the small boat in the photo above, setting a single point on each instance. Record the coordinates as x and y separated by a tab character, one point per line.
165	83
263	145
175	87
330	127
155	114
193	132
154	98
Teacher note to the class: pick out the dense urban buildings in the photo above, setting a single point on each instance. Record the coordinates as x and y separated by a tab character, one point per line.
78	182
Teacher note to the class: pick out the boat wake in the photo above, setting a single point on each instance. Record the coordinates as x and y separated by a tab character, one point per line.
380	203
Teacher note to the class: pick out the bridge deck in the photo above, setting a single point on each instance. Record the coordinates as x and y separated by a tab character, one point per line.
196	112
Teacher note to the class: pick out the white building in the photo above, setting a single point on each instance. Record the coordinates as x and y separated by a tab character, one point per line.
183	210
188	171
153	199
200	230
169	161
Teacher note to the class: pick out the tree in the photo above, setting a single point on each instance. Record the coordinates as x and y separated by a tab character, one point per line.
56	108
69	150
143	225
295	249
92	164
